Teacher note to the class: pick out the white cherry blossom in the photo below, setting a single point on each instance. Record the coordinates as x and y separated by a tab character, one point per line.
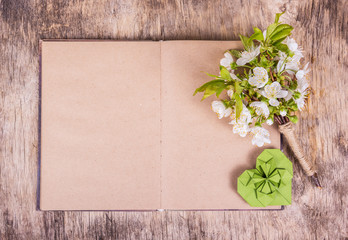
303	73
290	64
292	44
241	125
261	108
227	60
302	88
261	136
241	128
272	92
269	121
230	93
259	77
220	109
245	116
248	56
293	63
283	113
281	63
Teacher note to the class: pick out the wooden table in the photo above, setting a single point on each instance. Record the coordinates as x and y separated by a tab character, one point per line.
320	26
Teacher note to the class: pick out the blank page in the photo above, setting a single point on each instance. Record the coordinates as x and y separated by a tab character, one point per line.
100	125
201	156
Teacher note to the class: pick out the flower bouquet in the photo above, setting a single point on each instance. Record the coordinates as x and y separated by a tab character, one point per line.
266	84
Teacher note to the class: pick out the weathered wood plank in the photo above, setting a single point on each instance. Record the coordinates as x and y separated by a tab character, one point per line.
320	26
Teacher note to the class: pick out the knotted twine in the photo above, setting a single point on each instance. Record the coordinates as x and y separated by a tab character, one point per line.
288	131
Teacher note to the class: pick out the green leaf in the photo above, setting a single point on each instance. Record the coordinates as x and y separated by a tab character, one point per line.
256	36
264	62
234	66
294	106
276	20
244	83
237	88
209	88
282	30
280	37
293	119
239	105
246	43
211	75
270	29
281	27
225	74
235	53
282	47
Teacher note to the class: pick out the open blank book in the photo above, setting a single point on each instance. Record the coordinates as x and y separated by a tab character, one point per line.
120	128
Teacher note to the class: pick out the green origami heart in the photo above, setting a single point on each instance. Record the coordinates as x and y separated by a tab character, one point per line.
270	183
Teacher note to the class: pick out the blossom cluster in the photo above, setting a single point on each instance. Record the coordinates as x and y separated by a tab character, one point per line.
266	83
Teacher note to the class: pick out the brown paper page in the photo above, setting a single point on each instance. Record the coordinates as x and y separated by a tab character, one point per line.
201	157
100	125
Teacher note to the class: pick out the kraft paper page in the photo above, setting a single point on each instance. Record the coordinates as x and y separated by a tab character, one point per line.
100	130
201	157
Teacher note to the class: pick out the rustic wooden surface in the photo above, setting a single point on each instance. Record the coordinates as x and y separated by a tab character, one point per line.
320	26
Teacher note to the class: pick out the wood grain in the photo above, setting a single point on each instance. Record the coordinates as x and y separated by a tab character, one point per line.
320	26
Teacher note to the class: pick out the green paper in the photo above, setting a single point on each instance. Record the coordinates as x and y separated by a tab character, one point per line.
270	183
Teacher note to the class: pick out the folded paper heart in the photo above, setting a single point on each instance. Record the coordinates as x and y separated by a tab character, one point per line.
270	183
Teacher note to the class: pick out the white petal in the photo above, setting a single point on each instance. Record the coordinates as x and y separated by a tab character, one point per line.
300	103
261	85
241	128
292	44
276	86
228	56
263	92
228	112
233	76
219	108
230	93
257	141
260	108
282	55
252	81
241	61
302	84
274	102
261	136
282	94
297	55
288	97
233	122
260	72
269	121
300	74
225	62
256	52
280	66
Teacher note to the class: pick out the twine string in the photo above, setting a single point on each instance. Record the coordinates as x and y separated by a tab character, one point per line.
288	131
